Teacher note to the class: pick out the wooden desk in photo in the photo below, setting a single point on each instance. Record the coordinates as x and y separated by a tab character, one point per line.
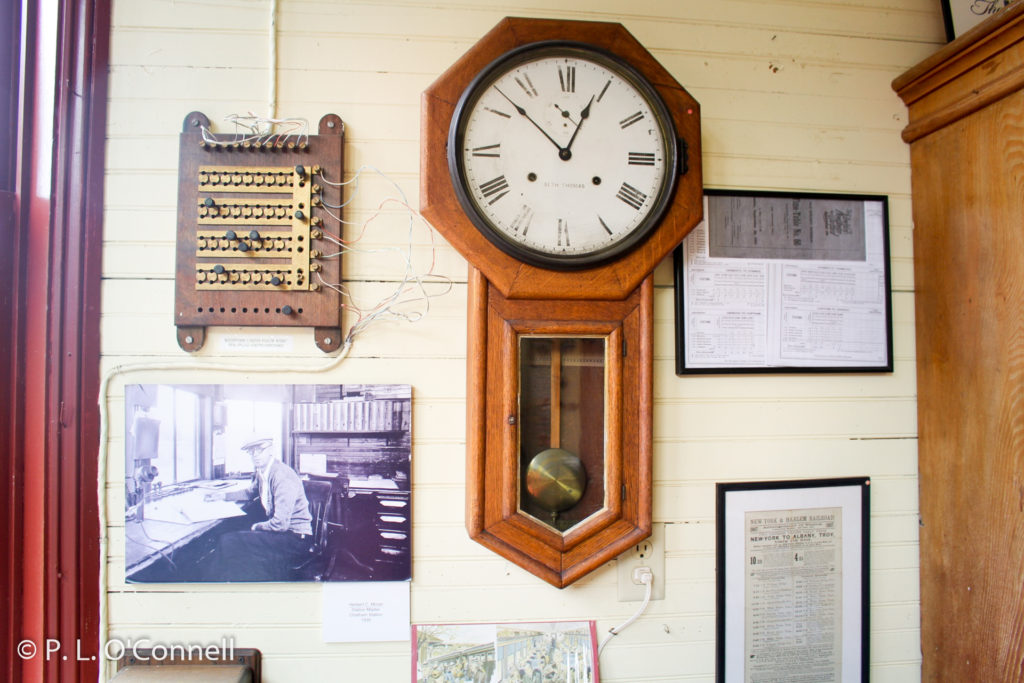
175	519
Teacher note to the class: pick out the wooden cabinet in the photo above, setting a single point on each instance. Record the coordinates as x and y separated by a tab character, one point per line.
360	438
966	132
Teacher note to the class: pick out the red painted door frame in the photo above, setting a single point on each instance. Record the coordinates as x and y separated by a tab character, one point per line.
51	218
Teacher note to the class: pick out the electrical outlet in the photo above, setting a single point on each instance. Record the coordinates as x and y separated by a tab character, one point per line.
648	553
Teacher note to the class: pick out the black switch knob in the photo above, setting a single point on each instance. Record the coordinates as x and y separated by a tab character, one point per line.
286	309
243	246
208	201
230	235
301	170
299	215
275	281
219	269
254	235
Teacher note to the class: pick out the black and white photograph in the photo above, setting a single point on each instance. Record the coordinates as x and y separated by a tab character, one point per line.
538	652
243	482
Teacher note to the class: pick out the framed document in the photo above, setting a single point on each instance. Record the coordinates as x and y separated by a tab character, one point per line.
785	282
793	581
961	15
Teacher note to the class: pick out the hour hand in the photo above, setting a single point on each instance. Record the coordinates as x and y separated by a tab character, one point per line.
522	112
584	114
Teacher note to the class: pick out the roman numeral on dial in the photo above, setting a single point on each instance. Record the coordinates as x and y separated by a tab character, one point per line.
631	196
630	120
526	84
641	158
521	223
489	151
563	233
567	78
496	188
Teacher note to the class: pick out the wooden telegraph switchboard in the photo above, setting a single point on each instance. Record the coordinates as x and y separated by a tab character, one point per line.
253	211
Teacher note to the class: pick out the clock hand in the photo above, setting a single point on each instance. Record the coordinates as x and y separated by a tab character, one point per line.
585	112
522	112
584	115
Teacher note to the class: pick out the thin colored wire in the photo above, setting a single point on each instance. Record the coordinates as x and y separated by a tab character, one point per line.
260	130
411	281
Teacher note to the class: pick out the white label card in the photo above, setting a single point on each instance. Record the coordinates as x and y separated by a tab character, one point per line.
366	612
256	342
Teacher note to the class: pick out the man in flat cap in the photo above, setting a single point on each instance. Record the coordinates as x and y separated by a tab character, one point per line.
271	548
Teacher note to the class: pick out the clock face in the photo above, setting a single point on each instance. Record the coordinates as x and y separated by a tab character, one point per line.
562	155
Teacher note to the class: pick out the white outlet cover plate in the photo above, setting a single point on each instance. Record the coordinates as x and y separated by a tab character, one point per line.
648	553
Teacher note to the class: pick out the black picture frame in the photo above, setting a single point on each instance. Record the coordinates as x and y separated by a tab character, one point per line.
871	351
960	16
806	508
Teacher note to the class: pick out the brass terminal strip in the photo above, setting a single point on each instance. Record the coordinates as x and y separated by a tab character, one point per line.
212	211
252	277
252	243
262	179
243	233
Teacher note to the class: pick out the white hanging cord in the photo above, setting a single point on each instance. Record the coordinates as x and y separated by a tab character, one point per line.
648	581
104	448
272	97
411	290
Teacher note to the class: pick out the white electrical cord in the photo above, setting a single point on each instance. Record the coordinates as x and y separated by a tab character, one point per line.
104	450
272	95
648	580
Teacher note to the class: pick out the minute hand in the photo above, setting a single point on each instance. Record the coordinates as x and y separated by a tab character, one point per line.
522	112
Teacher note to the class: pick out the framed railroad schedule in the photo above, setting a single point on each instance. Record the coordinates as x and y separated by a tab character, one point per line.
784	282
793	580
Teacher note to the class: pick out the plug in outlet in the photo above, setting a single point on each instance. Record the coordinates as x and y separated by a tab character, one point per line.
648	554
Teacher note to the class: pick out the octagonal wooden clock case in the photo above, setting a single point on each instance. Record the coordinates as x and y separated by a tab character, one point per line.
563	162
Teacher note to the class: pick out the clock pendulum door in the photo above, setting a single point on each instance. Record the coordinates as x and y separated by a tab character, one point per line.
561	396
547	384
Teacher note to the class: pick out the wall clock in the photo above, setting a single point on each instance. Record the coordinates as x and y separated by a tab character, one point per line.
563	162
562	154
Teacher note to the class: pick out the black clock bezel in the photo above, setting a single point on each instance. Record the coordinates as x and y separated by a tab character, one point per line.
622	68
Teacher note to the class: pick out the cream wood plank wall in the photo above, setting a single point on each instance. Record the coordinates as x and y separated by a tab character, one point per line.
795	96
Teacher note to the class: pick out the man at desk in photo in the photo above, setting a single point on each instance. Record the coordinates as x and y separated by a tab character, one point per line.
270	549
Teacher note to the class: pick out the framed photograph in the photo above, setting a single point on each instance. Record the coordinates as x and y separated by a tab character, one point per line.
793	581
538	652
785	282
962	15
287	482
